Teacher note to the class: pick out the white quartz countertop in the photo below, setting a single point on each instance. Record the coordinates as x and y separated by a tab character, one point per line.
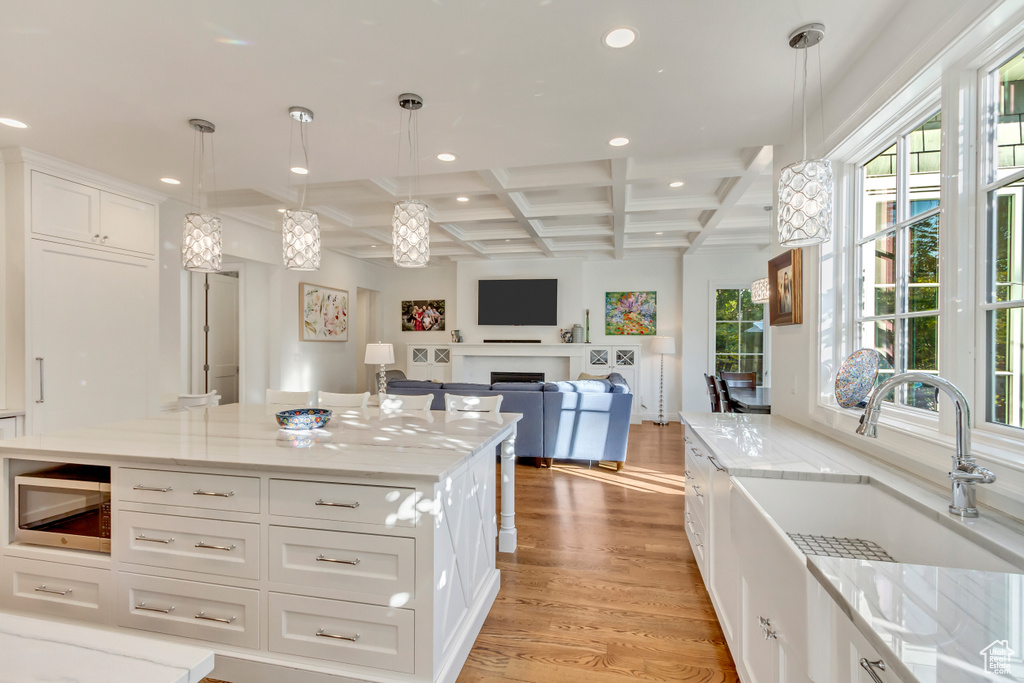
11	413
37	650
362	443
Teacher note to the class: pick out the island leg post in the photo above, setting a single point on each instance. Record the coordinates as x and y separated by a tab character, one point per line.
507	538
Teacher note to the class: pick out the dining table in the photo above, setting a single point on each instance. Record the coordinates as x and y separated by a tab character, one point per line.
747	400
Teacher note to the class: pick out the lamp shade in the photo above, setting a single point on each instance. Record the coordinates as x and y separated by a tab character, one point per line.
201	243
759	291
805	203
665	345
410	235
380	354
301	240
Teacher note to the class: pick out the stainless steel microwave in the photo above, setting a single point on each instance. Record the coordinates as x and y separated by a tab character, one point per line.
66	507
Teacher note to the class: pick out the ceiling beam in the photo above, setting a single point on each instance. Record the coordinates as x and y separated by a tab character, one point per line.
494	183
732	189
619	205
456	236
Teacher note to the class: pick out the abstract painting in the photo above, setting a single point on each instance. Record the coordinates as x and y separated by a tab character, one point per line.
631	313
423	316
323	313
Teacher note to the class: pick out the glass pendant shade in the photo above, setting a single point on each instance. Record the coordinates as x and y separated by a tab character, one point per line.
410	235
201	243
759	291
805	203
301	240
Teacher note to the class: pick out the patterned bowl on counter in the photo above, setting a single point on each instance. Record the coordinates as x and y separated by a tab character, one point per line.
304	418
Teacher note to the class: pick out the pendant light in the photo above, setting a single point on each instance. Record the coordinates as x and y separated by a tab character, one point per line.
759	291
805	188
201	241
301	228
410	235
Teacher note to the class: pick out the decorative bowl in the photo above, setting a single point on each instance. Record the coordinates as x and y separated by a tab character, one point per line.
304	418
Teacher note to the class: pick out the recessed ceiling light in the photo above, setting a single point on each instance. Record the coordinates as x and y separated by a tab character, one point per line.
462	199
446	156
280	210
676	183
659	233
299	170
13	123
620	37
508	240
373	246
170	181
618	142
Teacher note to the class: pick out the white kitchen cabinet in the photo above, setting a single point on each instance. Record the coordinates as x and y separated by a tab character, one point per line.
10	427
623	359
429	362
853	658
127	223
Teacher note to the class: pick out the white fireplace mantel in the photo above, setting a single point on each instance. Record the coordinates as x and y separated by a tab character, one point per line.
515	357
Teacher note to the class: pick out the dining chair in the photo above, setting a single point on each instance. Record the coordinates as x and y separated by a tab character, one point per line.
723	395
186	401
280	400
390	403
459	407
328	400
740	380
716	399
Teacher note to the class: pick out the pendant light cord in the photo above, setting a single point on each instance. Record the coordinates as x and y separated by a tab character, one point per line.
803	98
305	157
821	97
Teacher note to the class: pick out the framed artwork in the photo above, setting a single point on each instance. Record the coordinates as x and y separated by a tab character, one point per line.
426	315
630	313
323	313
785	289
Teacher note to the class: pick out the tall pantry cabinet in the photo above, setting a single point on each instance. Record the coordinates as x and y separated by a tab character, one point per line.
82	293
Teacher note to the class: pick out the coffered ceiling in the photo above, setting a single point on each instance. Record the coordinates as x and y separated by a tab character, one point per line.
523	92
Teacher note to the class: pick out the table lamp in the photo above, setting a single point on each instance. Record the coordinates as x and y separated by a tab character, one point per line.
380	354
662	345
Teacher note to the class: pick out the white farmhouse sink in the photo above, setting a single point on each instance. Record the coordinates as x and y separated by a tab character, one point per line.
907	530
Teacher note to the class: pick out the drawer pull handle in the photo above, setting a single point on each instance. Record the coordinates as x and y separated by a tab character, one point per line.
696	534
696	452
222	620
337	505
161	610
324	634
201	492
696	489
687	473
143	537
158	489
321	558
766	629
44	589
717	465
204	544
870	667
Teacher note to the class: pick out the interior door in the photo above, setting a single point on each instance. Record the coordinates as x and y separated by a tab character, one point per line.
222	337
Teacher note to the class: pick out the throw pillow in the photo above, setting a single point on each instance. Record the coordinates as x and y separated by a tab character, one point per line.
584	375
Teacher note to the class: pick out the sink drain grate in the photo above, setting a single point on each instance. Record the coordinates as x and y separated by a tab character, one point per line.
831	546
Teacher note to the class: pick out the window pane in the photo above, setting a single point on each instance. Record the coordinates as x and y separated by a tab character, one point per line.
753	364
878	276
727	337
727	305
751	337
1007	243
726	363
880	335
879	206
923	356
923	272
923	183
1009	152
1006	403
748	309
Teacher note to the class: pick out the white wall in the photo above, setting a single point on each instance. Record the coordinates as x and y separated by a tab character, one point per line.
702	274
436	281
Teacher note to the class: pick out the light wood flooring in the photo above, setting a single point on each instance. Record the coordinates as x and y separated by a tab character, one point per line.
603	587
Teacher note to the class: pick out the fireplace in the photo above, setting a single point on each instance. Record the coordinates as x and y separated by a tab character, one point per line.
517	377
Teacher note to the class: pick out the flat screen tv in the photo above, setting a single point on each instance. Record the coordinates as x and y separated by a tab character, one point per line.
517	302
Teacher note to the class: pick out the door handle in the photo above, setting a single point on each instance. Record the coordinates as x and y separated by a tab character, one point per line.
870	667
40	399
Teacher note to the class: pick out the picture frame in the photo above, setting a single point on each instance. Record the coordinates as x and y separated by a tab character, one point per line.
630	313
323	313
423	315
785	289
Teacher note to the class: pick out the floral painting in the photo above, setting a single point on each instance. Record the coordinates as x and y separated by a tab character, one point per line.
631	313
324	313
423	316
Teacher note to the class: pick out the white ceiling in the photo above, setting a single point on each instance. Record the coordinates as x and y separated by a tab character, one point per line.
524	92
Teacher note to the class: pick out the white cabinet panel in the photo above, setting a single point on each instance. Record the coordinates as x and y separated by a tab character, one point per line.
623	359
429	362
127	223
188	489
62	208
343	502
8	427
59	590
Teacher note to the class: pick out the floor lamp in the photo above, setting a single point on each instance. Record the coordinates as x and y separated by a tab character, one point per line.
662	346
380	354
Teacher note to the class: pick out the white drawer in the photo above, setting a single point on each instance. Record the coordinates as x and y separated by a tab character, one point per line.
200	545
384	505
695	500
697	458
59	590
220	614
363	563
188	489
698	541
349	632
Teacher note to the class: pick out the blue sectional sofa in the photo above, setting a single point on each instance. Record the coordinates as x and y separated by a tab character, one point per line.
579	420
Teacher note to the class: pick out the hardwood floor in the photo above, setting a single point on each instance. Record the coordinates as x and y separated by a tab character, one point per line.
603	587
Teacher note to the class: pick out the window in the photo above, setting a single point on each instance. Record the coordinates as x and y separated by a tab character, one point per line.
739	333
1004	297
897	251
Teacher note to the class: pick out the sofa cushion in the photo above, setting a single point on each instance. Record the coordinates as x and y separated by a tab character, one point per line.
465	386
517	386
581	386
619	384
423	384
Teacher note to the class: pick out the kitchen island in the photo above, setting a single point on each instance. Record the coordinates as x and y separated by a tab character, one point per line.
364	551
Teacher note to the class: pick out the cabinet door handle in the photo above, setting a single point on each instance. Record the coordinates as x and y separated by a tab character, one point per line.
687	473
158	489
321	558
222	620
104	239
766	629
44	589
143	537
96	237
870	667
200	492
696	452
203	544
717	465
324	634
40	399
338	505
696	489
161	610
